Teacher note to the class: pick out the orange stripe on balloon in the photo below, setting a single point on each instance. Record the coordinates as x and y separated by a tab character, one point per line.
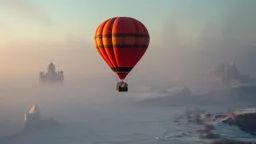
108	42
105	58
123	41
99	42
110	35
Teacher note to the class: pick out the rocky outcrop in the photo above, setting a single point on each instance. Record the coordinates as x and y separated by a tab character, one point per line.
32	117
245	119
227	75
238	94
233	128
34	121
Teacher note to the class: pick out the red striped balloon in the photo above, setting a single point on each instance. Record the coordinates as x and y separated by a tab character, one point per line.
121	42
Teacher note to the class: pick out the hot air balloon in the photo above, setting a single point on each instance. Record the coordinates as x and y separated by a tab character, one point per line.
121	42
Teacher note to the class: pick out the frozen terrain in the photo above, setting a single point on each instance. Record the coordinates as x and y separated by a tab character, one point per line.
88	115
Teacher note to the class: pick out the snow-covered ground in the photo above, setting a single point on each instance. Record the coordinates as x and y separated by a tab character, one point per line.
90	113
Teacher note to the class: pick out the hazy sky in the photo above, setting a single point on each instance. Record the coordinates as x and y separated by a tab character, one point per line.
188	37
35	32
57	20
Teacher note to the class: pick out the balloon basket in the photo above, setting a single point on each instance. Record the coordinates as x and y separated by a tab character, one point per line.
121	89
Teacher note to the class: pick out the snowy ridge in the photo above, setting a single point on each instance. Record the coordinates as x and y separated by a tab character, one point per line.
245	111
245	85
232	132
32	124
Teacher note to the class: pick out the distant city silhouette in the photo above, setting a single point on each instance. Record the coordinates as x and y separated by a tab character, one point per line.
51	75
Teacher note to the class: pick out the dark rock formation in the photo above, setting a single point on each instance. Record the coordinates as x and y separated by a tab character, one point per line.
226	141
244	119
206	132
33	120
225	75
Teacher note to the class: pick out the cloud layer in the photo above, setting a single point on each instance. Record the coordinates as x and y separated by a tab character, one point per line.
23	8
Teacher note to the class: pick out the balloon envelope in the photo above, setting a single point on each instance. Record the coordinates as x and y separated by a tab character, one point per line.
121	42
